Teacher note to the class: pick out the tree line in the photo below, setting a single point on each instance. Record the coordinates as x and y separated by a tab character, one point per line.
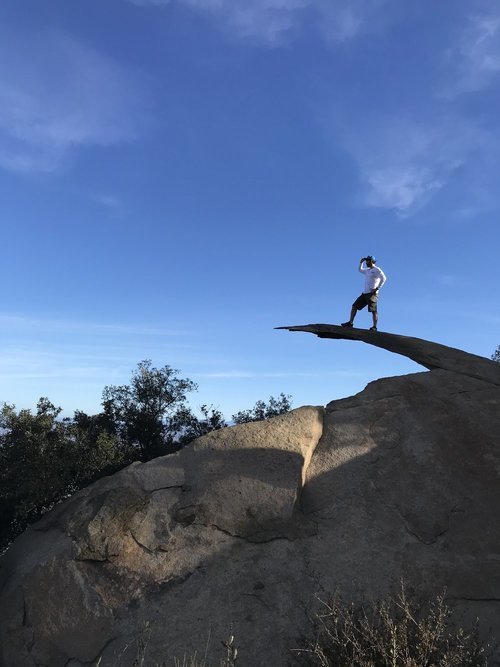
44	459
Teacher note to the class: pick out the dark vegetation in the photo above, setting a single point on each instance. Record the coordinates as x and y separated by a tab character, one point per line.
496	354
44	459
397	632
262	410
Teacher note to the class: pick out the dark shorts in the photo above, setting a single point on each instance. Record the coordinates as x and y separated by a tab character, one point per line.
369	300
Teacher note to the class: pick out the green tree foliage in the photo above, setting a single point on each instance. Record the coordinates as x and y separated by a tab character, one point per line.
100	451
44	459
262	410
189	427
146	414
496	354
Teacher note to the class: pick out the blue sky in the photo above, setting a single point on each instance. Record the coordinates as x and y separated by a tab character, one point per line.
178	177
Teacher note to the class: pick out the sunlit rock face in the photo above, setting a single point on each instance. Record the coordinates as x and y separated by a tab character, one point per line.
237	532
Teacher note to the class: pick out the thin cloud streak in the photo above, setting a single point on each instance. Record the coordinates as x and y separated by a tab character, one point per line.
21	369
473	63
73	373
60	95
273	22
248	374
341	22
404	162
20	322
266	21
110	202
69	353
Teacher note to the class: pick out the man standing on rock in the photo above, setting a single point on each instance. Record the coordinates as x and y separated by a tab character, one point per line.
374	279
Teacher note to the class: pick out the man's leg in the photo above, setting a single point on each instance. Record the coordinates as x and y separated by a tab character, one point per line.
372	307
357	305
351	319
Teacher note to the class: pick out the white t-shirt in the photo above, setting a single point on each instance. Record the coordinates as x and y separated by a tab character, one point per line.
374	277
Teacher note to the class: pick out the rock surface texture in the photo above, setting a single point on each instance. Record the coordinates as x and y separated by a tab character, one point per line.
244	526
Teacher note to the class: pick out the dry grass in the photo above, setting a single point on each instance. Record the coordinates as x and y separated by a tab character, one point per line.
141	642
229	659
397	632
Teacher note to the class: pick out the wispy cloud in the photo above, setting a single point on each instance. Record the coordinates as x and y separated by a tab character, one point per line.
109	201
66	359
474	61
448	280
271	22
404	162
150	3
12	323
23	363
228	375
57	94
347	19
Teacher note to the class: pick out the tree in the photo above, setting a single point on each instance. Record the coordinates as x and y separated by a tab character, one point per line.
189	426
261	410
31	461
147	412
496	354
100	452
44	459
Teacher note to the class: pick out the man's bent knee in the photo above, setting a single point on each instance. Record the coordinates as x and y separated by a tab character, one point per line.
360	303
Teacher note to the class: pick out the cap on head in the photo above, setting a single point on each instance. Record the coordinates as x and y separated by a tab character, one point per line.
371	258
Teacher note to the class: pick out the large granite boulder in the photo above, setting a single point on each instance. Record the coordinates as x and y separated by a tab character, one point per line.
238	531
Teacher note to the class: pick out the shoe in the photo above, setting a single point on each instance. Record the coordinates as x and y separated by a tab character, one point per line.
347	324
373	328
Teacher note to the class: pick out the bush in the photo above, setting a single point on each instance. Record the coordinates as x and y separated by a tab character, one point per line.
397	632
146	413
262	410
44	459
189	427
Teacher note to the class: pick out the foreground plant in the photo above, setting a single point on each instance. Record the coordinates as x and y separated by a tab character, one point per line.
229	659
397	632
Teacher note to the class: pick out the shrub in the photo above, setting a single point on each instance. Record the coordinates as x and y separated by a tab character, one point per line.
44	459
397	632
262	410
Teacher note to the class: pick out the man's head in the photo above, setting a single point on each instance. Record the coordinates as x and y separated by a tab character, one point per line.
370	260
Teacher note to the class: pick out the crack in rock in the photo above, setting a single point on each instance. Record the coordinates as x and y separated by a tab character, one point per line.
428	542
142	546
96	659
166	488
257	597
246	538
431	539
